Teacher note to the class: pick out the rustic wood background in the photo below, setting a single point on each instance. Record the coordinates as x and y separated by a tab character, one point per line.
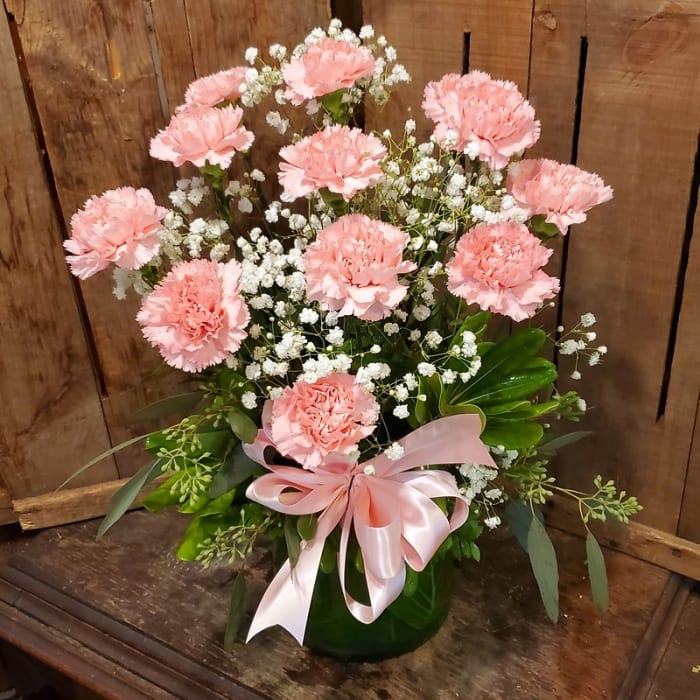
616	86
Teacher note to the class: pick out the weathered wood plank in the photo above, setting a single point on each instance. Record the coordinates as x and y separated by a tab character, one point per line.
641	104
636	539
93	79
51	404
72	505
7	514
677	677
138	596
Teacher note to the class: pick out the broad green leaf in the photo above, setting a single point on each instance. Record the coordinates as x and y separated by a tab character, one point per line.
476	323
542	229
104	455
236	469
194	535
292	540
235	613
218	505
543	560
411	585
597	573
514	386
475	551
164	496
507	407
178	404
555	444
125	496
513	436
243	427
306	526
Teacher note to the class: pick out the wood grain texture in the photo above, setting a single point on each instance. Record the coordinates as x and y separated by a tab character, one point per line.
636	539
641	108
72	504
92	75
51	409
675	678
7	514
497	642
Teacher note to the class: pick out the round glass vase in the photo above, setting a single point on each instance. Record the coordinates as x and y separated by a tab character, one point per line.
413	618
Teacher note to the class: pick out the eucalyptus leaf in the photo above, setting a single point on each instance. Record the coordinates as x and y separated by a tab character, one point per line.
243	427
237	467
543	560
102	456
555	444
292	540
179	403
126	495
597	573
519	516
235	613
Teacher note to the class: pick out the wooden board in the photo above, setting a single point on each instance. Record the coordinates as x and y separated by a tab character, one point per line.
7	514
495	36
641	104
675	678
136	601
51	417
94	83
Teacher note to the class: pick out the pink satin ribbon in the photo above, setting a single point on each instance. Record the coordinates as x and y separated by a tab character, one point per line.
391	508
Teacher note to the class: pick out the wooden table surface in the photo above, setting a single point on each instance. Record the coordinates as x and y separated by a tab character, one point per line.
128	620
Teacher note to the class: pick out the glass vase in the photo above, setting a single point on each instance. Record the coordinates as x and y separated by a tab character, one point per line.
413	618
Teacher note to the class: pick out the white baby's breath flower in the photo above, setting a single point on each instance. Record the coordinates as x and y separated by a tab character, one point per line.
587	320
493	522
568	347
401	411
426	369
249	400
394	451
250	55
391	328
308	316
433	339
576	375
421	312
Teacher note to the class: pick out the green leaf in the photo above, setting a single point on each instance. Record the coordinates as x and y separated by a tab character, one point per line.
512	435
411	585
104	455
515	386
597	573
306	526
243	427
235	613
542	229
164	496
555	444
475	551
179	404
543	560
125	496
519	516
195	534
292	540
218	505
236	469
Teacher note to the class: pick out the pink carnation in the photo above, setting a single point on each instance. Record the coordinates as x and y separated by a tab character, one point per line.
563	193
353	267
217	87
328	418
120	226
338	158
327	66
498	267
202	135
195	316
489	115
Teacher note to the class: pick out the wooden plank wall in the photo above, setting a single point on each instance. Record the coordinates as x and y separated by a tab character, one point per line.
87	83
616	86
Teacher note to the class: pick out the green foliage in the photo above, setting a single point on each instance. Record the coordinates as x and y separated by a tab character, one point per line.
597	573
462	542
236	610
543	560
606	502
236	469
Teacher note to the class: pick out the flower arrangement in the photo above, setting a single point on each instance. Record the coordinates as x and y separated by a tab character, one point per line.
358	400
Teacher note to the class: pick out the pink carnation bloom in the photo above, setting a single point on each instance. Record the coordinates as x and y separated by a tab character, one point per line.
311	422
327	66
202	134
195	316
563	193
491	114
339	158
217	87
120	226
498	267
353	267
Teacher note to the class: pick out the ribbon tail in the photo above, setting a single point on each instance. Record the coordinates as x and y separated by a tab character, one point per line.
287	599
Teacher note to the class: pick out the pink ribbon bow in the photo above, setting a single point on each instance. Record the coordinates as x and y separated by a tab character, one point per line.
395	520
